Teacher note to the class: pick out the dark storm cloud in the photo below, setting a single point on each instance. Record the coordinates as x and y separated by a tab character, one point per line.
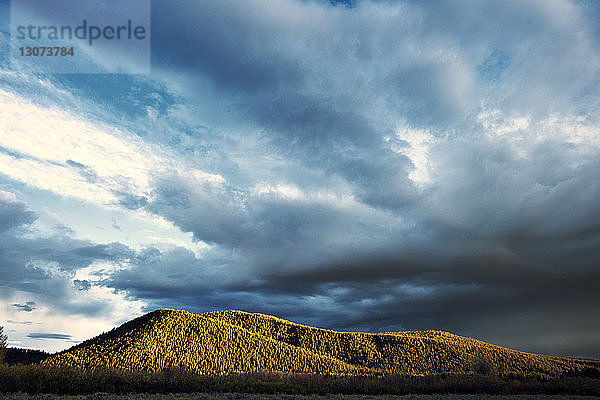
308	113
271	230
474	294
507	230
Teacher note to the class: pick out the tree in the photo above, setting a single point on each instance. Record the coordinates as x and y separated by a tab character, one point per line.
2	343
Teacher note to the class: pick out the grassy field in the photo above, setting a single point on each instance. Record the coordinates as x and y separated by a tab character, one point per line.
35	379
240	396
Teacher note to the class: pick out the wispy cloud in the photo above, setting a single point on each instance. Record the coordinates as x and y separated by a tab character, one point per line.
27	307
52	336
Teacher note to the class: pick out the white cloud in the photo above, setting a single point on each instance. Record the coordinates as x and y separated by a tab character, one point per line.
78	158
45	139
493	122
419	141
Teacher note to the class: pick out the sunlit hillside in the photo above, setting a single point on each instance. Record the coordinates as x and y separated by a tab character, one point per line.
411	353
176	339
235	341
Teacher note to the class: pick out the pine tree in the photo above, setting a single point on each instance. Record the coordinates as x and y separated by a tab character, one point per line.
2	344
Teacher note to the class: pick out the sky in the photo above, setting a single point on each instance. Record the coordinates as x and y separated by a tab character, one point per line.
359	165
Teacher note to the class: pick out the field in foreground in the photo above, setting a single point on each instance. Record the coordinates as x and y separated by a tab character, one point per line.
239	396
35	379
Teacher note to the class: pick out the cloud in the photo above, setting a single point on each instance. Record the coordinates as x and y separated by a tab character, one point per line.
42	265
19	323
379	166
13	213
52	336
82	284
81	158
453	154
27	307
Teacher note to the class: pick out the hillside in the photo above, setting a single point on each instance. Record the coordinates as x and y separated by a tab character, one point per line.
411	353
167	339
235	341
15	355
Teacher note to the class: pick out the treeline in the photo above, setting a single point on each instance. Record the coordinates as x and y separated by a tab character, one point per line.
37	379
16	355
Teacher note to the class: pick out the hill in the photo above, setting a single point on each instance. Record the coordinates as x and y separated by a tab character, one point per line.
235	341
407	353
167	339
15	355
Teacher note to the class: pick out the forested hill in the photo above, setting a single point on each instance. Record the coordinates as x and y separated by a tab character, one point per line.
235	341
15	355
